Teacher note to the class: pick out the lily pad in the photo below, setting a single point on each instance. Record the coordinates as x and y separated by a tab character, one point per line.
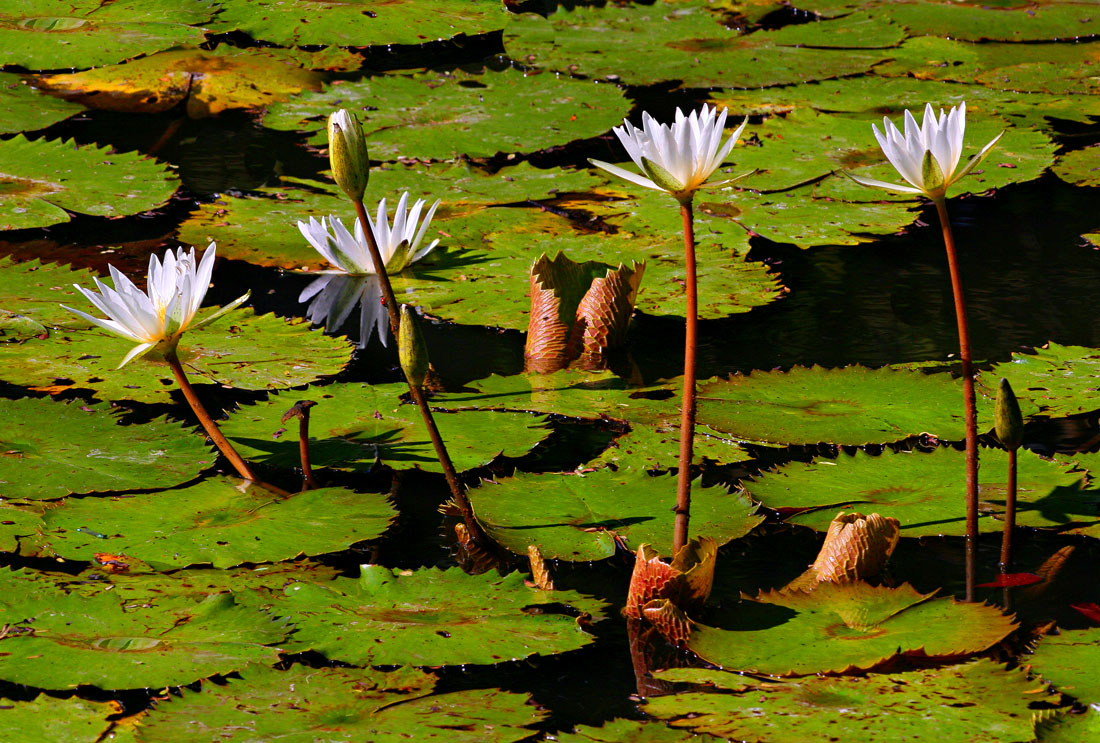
303	22
1068	727
210	81
979	701
42	180
657	446
583	516
47	718
433	617
45	35
1069	660
629	731
36	290
244	350
218	521
974	22
303	705
1080	167
354	426
63	640
26	109
1061	380
925	492
51	449
443	115
849	406
18	522
840	627
678	41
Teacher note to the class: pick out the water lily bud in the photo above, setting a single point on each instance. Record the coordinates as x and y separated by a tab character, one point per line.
347	154
411	349
1008	421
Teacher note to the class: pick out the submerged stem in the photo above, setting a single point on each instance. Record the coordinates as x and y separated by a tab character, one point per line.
457	491
687	406
207	422
968	395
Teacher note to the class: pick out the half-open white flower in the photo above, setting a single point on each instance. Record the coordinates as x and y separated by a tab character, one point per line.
399	246
927	155
159	316
678	158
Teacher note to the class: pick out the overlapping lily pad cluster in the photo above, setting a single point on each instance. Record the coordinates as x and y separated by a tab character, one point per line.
137	565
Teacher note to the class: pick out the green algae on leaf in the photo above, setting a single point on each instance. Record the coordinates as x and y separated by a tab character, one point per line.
220	521
355	426
1061	380
42	180
840	627
209	81
433	617
583	516
678	42
979	701
358	23
65	640
444	115
49	719
849	406
243	350
303	705
47	35
26	109
1069	660
922	491
52	449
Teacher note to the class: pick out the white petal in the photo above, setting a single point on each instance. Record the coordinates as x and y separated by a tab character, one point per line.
626	174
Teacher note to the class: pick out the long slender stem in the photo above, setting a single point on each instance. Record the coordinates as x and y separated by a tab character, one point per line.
308	483
1010	513
457	491
207	422
687	405
968	395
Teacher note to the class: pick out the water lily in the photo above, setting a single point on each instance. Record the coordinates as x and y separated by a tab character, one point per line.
347	153
399	246
333	296
927	155
678	158
158	317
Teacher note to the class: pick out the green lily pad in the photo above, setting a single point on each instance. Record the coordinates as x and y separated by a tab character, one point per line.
840	627
42	180
302	22
979	701
45	35
432	618
855	31
1068	727
209	81
243	350
444	115
678	42
1080	167
51	449
1043	22
304	705
26	109
215	522
62	640
850	406
628	731
16	523
1069	660
582	516
355	426
657	446
926	492
1061	380
47	718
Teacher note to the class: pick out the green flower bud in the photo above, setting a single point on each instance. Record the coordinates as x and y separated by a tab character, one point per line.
1008	421
412	352
931	174
347	154
662	177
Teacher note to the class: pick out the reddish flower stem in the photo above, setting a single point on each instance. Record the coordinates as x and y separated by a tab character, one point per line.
687	405
968	398
1010	513
457	491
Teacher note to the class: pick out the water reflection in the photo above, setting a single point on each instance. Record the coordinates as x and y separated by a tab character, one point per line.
332	298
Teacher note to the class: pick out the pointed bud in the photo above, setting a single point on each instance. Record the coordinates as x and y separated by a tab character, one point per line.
347	154
1008	421
931	174
662	177
411	349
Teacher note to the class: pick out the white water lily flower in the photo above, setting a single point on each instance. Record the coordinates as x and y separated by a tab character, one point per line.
678	158
926	156
158	317
398	246
333	296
